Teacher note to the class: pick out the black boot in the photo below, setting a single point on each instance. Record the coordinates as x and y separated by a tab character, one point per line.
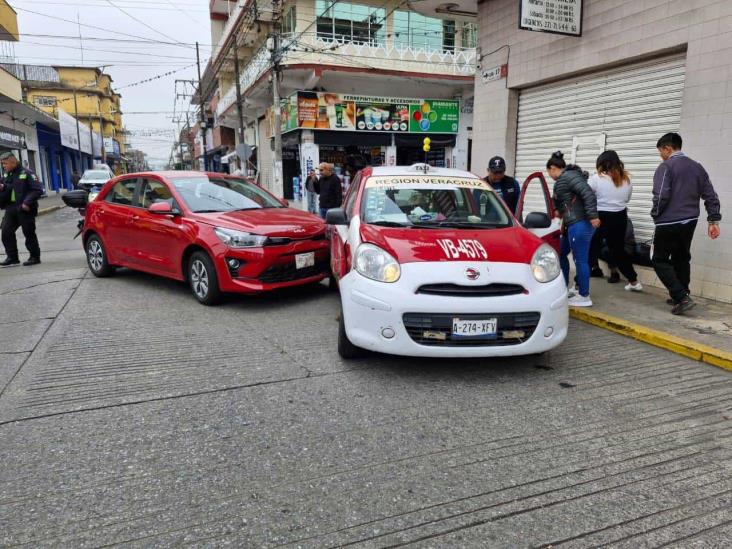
9	261
32	261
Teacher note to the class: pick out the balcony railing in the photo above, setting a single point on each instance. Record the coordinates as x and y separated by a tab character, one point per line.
256	68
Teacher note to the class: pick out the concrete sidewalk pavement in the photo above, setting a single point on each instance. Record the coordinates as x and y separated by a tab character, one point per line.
50	203
704	333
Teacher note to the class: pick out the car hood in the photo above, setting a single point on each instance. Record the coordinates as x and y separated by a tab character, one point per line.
510	245
285	222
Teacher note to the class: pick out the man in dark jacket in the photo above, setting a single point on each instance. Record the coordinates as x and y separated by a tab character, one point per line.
506	187
19	193
678	185
329	188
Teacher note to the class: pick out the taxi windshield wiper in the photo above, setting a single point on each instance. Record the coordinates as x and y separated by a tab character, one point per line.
385	223
464	225
208	211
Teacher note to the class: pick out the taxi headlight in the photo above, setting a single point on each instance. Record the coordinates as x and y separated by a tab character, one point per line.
376	264
239	239
545	264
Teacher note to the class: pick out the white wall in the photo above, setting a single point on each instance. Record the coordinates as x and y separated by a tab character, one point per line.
617	32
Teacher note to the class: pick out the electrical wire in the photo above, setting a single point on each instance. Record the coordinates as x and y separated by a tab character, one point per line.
144	54
140	21
139	6
146	41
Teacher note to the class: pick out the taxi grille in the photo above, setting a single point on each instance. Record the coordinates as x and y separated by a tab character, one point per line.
288	272
435	329
486	290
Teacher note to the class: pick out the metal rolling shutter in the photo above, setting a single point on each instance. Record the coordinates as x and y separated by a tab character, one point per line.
628	108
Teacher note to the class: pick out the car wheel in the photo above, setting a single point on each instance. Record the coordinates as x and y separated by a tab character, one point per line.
96	257
347	349
202	279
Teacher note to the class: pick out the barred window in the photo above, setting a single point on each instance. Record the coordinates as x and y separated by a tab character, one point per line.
349	22
470	35
420	32
44	101
289	22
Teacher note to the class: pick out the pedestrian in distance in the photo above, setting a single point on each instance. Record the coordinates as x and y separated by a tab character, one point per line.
310	182
19	194
678	185
506	187
613	188
329	188
75	178
576	204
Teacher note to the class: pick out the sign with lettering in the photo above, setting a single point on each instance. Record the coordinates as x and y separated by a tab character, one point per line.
553	16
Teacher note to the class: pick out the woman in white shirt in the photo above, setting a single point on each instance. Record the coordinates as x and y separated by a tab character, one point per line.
613	188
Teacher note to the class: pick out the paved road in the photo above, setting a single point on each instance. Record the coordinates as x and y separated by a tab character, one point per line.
130	414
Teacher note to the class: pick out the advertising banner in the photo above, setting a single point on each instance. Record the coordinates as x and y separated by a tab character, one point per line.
11	139
362	113
97	144
70	136
553	16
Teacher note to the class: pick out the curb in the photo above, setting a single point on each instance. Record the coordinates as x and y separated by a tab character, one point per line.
678	345
49	210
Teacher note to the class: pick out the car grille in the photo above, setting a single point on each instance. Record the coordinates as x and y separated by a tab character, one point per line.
287	272
435	329
456	290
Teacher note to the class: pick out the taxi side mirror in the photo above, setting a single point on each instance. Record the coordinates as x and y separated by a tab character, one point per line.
162	208
537	220
336	216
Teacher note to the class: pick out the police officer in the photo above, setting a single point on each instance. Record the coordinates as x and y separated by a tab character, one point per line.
19	193
506	187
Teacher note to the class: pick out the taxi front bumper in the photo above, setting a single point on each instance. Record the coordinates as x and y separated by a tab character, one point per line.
413	316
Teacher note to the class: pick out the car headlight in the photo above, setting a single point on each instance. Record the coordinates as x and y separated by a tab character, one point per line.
240	239
376	264
545	264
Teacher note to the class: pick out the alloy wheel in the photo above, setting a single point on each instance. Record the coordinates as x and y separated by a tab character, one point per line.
96	255
199	279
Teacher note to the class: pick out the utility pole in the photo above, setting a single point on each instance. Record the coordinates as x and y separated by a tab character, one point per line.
202	117
78	131
239	108
276	71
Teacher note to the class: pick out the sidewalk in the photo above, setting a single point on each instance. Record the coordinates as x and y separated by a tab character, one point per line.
50	203
704	333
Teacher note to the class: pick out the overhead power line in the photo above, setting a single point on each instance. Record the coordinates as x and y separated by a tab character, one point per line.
140	21
156	77
146	41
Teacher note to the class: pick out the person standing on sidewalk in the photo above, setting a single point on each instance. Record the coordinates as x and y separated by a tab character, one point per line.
19	194
329	188
310	182
678	185
613	189
576	204
506	187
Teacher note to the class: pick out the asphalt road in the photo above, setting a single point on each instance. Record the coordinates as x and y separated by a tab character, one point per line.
129	414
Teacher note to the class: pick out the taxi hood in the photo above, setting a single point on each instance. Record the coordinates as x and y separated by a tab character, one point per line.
281	222
509	245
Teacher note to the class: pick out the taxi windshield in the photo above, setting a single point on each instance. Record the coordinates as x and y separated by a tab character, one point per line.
222	194
471	205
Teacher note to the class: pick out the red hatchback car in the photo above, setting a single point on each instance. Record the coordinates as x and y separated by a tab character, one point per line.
219	233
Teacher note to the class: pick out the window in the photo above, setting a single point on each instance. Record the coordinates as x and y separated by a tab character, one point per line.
154	191
123	192
219	194
351	198
419	32
44	101
470	35
349	22
289	22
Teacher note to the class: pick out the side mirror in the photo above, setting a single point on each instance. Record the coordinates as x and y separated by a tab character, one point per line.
284	202
336	216
537	220
162	208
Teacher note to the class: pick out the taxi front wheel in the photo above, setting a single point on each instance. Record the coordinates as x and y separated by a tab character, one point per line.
347	349
202	279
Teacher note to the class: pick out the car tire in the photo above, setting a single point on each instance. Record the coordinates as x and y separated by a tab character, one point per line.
96	257
332	282
346	349
202	279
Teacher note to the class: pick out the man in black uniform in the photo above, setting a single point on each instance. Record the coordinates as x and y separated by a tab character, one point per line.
506	187
19	193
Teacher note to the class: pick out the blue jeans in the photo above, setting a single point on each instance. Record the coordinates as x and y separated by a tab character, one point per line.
312	208
577	240
323	211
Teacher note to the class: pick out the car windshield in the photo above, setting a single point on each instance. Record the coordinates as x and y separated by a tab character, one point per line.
96	175
433	202
222	194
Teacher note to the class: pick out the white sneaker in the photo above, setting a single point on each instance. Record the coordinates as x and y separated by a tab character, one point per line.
637	287
580	301
571	292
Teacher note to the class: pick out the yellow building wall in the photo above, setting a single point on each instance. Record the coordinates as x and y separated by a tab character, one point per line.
10	86
8	23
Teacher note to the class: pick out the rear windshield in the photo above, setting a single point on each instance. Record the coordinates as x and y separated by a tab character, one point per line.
214	194
432	202
96	175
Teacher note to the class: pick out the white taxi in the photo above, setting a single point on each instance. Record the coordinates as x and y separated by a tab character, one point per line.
430	262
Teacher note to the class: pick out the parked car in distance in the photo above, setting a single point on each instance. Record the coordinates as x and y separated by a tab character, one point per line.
94	178
220	233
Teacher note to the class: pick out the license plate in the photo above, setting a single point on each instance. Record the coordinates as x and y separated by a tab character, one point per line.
305	260
475	329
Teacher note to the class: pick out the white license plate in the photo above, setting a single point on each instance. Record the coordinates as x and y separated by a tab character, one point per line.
305	260
485	329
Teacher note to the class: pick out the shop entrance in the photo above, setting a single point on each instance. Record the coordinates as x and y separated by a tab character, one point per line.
406	156
290	170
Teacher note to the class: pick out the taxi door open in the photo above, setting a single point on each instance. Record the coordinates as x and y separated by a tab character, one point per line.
340	252
536	210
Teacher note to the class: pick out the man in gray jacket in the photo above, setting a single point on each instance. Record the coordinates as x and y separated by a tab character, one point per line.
678	185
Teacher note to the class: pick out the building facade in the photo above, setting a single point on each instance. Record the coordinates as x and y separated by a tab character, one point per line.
637	71
358	79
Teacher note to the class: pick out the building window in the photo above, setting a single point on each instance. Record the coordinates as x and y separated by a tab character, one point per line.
419	32
289	22
44	101
349	22
470	35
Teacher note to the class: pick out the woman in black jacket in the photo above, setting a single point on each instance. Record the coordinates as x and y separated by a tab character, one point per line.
576	204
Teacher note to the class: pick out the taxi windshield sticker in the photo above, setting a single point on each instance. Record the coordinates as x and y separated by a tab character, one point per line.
408	181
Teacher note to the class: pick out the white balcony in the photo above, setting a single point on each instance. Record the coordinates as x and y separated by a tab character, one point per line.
254	69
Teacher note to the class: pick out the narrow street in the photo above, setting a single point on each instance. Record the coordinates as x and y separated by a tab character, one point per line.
131	414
